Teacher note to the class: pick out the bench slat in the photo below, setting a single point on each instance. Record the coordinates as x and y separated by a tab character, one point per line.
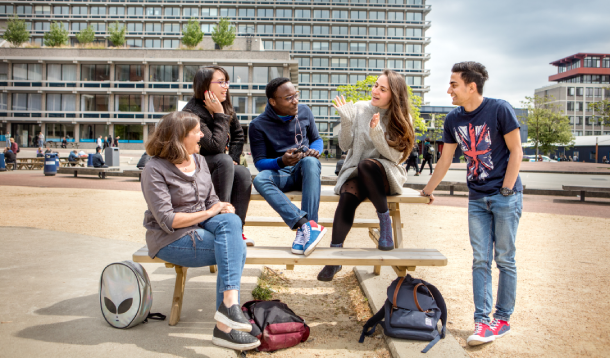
591	189
327	222
331	256
327	194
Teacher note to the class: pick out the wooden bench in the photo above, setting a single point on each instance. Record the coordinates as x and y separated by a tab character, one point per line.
133	172
100	172
30	163
400	259
584	189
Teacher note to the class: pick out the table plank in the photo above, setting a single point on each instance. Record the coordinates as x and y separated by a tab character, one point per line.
327	194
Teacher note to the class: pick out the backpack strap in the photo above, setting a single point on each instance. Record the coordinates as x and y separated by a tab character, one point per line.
155	316
372	323
440	302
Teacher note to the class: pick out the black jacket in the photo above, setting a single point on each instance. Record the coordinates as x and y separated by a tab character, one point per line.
219	131
98	161
9	156
143	160
427	154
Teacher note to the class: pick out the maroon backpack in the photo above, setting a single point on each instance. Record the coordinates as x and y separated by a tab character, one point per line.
275	325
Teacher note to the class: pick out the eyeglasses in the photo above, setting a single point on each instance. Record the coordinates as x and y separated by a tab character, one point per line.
223	84
292	98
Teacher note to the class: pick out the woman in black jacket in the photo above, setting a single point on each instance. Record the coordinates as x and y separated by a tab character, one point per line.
221	128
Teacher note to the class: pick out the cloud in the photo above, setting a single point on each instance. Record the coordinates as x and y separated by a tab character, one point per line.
516	40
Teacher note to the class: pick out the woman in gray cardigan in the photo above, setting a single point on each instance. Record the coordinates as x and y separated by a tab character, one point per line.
378	135
187	225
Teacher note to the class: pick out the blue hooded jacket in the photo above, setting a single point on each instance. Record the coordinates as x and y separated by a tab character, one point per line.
270	136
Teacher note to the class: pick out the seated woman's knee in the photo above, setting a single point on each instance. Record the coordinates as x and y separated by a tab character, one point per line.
242	175
223	160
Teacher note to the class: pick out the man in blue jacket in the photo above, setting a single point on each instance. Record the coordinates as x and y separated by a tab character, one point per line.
285	147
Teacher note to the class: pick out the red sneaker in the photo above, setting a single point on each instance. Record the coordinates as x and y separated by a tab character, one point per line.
249	242
482	334
499	327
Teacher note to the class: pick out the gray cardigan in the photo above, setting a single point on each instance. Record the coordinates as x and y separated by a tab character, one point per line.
361	141
168	191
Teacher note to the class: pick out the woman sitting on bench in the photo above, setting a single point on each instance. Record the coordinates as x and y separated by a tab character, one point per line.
188	226
378	135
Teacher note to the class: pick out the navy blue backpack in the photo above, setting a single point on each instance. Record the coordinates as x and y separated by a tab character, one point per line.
411	311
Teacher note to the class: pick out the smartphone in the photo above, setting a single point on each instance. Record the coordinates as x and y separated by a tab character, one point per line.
301	149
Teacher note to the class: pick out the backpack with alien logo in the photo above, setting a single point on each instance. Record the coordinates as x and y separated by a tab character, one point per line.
126	295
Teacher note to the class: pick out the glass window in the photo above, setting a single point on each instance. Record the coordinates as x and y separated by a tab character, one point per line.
173	11
98	10
246	12
377	31
245	28
571	91
259	103
377	63
42	10
116	10
209	12
95	73
358	15
3	71
27	9
27	71
304	94
302	29
135	43
303	61
414	16
264	29
171	28
413	81
128	103
134	27
164	73
227	12
319	111
395	32
395	64
396	48
57	10
319	78
268	45
353	79
94	102
320	46
339	30
130	132
240	74
240	104
208	28
283	45
339	14
320	62
357	47
132	73
320	30
302	14
190	12
377	15
411	32
189	73
339	46
338	79
161	104
376	47
90	132
319	94
321	14
301	45
57	131
396	15
152	43
139	11
283	13
265	12
358	31
304	78
357	63
283	29
339	62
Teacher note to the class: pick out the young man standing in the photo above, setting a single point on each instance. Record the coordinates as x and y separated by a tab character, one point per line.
487	131
285	147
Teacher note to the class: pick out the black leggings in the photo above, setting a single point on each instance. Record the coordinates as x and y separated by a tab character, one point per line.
426	160
232	183
372	183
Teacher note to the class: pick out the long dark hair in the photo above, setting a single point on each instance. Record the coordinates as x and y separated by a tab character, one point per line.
400	133
201	83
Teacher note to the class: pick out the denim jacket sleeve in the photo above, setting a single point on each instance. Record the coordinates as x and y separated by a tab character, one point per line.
156	193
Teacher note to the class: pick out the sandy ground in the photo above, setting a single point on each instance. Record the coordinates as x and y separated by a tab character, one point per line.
563	271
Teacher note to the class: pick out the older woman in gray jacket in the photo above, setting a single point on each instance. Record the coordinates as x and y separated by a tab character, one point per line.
187	225
378	135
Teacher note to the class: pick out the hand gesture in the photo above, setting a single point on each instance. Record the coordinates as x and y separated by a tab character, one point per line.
421	193
212	104
290	158
375	120
312	153
339	102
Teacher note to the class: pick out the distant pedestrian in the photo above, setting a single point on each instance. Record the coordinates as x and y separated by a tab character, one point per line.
605	160
575	157
110	141
7	136
99	142
428	153
412	160
326	154
105	143
116	142
570	159
41	139
64	143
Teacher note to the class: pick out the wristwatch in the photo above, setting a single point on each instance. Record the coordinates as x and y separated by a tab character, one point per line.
507	191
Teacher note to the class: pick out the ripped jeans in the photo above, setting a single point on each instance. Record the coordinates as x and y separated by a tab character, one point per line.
218	243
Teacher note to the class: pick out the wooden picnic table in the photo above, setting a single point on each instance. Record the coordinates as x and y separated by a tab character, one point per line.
30	163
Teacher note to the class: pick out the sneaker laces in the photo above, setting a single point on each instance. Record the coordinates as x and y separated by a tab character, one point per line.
306	233
300	239
478	327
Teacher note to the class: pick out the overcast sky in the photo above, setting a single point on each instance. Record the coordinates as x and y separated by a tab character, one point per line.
516	40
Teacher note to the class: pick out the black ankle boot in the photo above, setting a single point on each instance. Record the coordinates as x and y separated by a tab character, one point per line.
329	271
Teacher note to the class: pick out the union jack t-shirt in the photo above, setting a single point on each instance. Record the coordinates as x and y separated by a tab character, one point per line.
480	136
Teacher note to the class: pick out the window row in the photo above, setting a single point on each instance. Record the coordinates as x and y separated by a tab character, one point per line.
342	79
360	63
590	91
133	73
603	79
340	46
175	11
330	30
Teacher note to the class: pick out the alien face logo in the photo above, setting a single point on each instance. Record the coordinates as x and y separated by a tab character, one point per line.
123	307
120	296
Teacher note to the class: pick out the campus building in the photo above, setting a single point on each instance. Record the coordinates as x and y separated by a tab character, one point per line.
82	94
581	79
334	42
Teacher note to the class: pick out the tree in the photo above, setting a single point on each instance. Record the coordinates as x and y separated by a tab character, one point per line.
547	126
86	35
361	91
117	34
436	134
57	35
192	34
16	32
224	34
602	108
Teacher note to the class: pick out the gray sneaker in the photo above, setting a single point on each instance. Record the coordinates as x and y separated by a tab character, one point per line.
237	340
233	317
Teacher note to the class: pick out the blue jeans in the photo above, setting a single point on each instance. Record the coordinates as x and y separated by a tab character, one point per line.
492	223
305	177
218	243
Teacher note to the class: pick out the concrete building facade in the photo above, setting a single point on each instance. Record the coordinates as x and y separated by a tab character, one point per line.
581	79
335	42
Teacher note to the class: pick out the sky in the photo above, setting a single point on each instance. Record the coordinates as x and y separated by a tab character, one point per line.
516	40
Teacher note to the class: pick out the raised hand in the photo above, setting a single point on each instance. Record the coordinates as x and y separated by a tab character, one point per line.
212	104
375	120
339	102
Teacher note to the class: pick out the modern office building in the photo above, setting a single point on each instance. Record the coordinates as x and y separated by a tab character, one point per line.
335	42
83	94
581	79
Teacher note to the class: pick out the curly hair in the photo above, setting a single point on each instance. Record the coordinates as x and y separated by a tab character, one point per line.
400	133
